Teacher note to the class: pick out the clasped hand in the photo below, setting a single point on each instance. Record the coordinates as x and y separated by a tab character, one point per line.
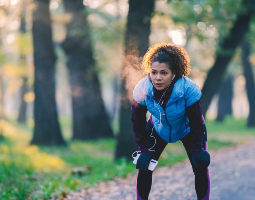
144	161
201	159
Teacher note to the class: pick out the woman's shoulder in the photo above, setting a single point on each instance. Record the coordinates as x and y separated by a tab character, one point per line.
188	82
192	92
141	90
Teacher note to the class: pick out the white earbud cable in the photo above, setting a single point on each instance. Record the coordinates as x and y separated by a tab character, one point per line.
150	149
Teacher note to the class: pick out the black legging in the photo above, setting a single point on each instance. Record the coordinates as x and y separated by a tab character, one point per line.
144	178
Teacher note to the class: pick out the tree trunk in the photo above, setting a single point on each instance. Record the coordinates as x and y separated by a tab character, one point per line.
90	120
22	117
46	130
225	99
250	84
116	96
136	45
227	50
24	88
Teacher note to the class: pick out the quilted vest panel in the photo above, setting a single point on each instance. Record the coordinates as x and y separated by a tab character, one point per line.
171	124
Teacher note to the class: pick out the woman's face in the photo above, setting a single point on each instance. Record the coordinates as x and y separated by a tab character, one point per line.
161	75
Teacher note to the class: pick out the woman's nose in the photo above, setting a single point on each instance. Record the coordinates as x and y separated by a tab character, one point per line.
158	76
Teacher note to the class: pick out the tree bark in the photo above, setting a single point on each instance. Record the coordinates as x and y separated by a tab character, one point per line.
250	84
136	45
227	49
23	90
90	120
225	99
22	117
46	130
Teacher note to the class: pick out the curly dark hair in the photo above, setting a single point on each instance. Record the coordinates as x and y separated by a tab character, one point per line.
176	57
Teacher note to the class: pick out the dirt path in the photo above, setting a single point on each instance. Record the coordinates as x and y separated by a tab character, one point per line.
232	174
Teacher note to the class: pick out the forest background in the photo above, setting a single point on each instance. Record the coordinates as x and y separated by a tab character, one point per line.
68	69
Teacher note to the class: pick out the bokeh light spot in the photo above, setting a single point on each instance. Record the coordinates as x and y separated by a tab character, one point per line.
54	5
201	25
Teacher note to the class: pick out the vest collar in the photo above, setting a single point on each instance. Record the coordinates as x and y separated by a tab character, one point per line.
177	93
178	90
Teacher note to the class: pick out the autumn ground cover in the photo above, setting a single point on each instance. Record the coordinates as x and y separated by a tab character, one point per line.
32	172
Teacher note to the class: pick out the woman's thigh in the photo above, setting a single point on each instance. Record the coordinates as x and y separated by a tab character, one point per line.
186	141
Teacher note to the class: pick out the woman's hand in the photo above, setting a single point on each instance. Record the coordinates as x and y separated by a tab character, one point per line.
144	161
201	159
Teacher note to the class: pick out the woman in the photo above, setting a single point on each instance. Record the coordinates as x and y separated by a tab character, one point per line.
176	114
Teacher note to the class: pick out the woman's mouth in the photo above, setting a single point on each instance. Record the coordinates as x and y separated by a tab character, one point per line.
159	84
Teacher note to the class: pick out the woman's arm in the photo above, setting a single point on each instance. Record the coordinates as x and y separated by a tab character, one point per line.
196	122
138	118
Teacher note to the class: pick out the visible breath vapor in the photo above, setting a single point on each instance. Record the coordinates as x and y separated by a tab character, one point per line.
132	73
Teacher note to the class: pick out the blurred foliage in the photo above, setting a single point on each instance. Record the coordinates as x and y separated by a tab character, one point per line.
209	22
2	57
202	24
24	44
16	47
220	14
14	70
107	34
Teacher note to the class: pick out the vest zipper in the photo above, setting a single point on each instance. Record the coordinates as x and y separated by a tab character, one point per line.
164	114
169	126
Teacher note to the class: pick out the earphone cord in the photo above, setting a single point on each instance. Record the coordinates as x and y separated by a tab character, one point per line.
160	100
150	149
166	89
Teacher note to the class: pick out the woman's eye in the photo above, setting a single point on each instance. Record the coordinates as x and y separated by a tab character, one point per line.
153	73
164	73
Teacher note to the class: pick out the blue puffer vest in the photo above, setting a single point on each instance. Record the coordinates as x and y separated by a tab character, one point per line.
171	124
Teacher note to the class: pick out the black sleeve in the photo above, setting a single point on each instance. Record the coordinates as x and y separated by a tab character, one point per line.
138	118
196	124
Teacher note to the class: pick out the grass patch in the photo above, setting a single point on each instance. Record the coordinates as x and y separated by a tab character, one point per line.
231	130
229	127
32	172
215	144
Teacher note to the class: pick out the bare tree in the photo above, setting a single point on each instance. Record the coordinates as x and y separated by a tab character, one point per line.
46	130
90	120
225	99
24	88
227	49
250	84
136	44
